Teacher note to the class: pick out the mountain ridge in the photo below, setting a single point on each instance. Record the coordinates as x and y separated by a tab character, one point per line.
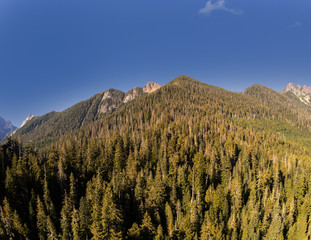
189	155
5	127
302	92
54	124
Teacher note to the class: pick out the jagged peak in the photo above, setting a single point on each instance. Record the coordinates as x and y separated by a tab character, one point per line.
303	93
6	124
6	127
151	87
292	87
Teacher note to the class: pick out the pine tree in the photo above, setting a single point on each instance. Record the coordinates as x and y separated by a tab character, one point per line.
147	228
134	232
75	225
96	228
51	230
41	220
160	233
84	218
66	218
111	217
169	219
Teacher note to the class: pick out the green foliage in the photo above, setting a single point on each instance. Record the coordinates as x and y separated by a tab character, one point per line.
188	161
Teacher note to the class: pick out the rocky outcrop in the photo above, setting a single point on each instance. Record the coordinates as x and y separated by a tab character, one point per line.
28	119
51	125
151	87
113	98
132	94
303	93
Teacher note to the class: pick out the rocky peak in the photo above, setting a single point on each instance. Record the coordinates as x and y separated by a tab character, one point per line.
6	124
113	98
306	89
291	87
151	87
28	119
5	127
9	125
303	93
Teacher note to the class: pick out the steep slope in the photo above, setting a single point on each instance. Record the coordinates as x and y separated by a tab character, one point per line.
302	93
47	128
183	162
28	119
283	106
259	107
5	128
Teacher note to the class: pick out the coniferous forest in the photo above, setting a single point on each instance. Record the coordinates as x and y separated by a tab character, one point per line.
188	161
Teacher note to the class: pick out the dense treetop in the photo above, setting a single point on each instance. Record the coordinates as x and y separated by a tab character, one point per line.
188	161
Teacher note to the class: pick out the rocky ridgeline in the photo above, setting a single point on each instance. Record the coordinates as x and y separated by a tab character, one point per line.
302	92
28	119
113	98
49	125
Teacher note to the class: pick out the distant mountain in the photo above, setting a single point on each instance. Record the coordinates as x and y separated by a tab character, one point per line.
5	128
303	93
48	127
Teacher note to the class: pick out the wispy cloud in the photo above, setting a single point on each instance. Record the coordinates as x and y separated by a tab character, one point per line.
295	25
220	5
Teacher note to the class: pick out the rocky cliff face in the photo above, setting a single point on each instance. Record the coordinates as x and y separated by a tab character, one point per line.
28	119
132	94
303	93
151	87
51	125
113	98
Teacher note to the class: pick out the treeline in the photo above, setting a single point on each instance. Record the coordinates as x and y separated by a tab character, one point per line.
174	166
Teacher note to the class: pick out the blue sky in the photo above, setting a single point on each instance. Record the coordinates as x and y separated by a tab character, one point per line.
54	53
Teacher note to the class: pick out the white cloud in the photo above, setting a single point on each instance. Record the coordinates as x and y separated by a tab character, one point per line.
217	5
295	25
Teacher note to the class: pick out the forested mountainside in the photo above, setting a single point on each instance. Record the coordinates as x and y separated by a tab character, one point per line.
187	161
47	128
287	106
